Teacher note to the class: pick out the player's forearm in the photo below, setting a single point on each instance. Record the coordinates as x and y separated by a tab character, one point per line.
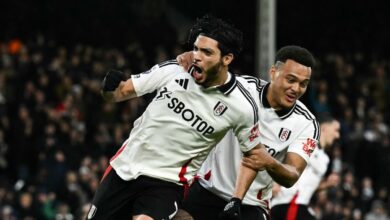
245	178
284	174
124	91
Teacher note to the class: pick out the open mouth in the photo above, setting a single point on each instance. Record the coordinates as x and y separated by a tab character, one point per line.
197	72
290	98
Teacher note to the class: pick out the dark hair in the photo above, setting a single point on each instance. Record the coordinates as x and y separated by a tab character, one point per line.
325	117
296	53
230	39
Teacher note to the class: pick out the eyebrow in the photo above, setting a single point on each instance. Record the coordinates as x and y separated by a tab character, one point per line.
204	49
295	77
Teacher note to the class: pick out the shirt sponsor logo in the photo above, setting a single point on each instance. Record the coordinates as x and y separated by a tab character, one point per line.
220	108
284	134
188	115
309	146
164	93
271	151
254	133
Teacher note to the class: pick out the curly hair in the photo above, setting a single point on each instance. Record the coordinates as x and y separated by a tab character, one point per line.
230	39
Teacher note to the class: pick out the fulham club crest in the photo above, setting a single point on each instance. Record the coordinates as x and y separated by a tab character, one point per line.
284	134
220	108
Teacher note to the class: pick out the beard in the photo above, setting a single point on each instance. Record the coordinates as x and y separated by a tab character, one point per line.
212	74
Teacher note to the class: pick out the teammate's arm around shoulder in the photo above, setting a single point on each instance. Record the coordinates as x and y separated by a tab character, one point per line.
185	59
116	88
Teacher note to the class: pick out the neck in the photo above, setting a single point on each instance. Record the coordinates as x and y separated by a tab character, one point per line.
322	143
270	99
219	79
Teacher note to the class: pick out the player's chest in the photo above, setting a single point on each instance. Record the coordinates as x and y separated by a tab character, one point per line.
187	104
277	134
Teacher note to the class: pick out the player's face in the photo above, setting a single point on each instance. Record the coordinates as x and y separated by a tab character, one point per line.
289	82
210	66
331	132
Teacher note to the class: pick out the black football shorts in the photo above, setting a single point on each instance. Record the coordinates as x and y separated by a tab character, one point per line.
202	204
119	199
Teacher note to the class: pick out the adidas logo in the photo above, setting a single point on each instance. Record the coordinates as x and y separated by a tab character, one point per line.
182	82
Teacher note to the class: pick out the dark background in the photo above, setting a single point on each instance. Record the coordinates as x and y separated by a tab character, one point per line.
57	134
322	26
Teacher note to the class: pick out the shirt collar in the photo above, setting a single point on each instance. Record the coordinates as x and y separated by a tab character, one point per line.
282	113
228	87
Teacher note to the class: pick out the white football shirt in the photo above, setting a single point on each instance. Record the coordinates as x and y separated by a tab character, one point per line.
183	123
289	130
307	184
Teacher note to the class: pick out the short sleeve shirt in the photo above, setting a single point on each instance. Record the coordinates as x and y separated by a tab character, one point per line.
290	130
183	122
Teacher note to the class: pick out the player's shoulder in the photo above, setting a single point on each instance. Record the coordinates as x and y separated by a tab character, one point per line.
251	81
305	119
302	111
169	65
249	89
251	84
244	96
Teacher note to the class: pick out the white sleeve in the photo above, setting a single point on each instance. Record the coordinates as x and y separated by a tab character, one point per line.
247	131
248	135
154	79
319	161
305	144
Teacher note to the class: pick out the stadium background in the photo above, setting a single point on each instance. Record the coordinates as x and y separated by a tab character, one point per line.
56	134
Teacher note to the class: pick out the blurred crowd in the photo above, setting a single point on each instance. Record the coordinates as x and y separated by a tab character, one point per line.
353	87
57	135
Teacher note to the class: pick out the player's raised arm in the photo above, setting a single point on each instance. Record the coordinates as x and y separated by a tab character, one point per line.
116	88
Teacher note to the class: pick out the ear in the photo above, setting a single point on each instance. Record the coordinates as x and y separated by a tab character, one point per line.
227	59
272	73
